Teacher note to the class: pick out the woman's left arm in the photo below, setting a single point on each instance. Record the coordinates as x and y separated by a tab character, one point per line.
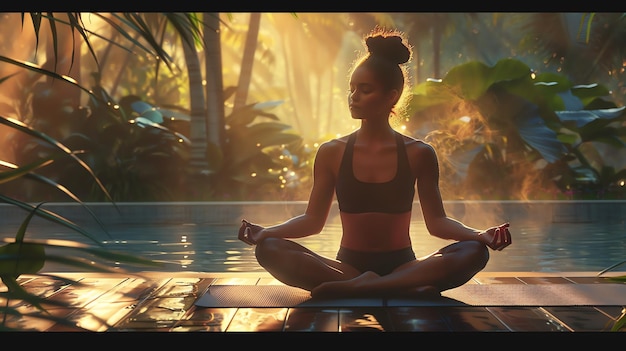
437	221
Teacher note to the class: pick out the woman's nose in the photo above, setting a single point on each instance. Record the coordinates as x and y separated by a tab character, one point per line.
353	96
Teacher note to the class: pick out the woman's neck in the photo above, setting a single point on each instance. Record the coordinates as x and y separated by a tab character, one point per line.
376	131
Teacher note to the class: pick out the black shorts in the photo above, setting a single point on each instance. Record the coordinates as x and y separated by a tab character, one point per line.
381	263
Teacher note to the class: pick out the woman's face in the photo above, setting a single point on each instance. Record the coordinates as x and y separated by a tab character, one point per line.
367	98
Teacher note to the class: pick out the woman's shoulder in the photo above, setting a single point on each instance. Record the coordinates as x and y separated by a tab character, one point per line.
410	141
331	149
330	153
417	147
335	143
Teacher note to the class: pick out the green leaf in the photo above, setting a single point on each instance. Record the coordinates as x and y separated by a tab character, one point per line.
590	91
471	80
36	68
142	122
613	266
50	182
620	322
581	118
431	93
74	250
21	258
22	230
533	130
153	115
48	215
245	115
18	172
461	158
26	129
552	83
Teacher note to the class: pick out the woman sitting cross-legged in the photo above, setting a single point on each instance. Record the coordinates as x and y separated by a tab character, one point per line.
374	173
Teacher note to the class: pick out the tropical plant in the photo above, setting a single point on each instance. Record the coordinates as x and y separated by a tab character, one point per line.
143	161
139	151
28	257
130	149
505	130
258	159
134	32
586	46
24	256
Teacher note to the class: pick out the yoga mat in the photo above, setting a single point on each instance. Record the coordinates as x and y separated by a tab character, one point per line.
540	294
223	296
271	296
252	296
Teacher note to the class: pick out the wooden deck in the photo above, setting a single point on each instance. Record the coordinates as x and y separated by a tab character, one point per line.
165	302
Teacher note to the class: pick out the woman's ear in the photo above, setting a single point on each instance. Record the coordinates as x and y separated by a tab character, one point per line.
394	96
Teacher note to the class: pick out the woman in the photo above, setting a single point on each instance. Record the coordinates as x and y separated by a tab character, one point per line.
374	172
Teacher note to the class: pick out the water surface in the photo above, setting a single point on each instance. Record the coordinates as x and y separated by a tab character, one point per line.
548	247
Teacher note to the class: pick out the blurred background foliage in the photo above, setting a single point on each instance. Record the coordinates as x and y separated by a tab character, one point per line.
232	106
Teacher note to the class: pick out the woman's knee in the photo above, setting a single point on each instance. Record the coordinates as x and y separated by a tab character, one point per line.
472	253
265	248
472	258
269	250
479	253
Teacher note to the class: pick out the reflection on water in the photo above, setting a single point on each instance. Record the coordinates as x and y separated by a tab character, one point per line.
215	248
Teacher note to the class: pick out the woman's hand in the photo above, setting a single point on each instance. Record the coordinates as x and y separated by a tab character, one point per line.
497	238
248	232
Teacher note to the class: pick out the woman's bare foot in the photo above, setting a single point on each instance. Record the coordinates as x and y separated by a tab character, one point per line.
355	287
364	286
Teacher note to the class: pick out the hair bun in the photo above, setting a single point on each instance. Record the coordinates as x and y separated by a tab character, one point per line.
389	47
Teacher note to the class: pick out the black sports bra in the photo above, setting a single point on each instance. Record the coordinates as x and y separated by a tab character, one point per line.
394	196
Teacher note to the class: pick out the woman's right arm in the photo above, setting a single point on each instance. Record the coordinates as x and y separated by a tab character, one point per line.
312	221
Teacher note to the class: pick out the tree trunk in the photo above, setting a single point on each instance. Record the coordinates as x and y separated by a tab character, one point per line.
437	33
214	83
198	125
245	75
